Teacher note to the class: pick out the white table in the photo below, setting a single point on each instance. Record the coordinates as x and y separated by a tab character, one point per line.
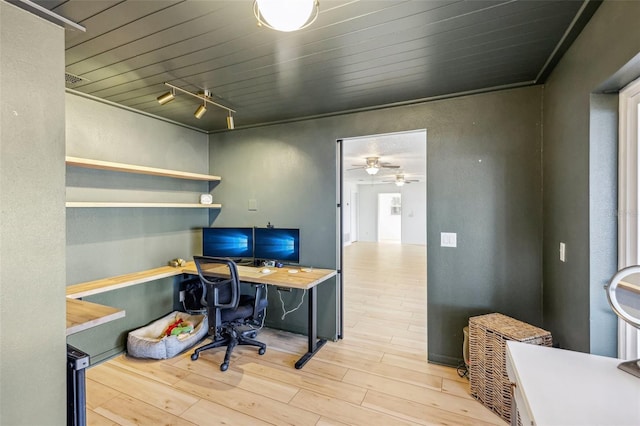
560	387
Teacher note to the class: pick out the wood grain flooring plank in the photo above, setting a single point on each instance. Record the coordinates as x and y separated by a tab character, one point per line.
344	412
377	375
208	413
423	366
125	410
303	380
317	367
252	404
147	390
160	372
429	397
234	376
95	419
97	393
416	412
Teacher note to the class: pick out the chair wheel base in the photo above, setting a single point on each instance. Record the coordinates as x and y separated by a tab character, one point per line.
224	367
261	351
194	357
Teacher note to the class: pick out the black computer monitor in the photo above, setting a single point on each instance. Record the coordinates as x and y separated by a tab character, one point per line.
235	243
281	244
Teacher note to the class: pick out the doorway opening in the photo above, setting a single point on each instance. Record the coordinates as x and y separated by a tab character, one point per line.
382	232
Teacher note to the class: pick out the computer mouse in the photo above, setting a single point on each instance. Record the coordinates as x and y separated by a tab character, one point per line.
266	270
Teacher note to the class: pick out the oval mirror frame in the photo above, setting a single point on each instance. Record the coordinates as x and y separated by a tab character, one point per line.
617	284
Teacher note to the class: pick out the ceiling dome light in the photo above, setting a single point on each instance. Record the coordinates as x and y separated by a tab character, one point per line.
286	15
400	183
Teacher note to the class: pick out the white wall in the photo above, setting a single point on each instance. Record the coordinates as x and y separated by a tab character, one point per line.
349	210
389	225
414	211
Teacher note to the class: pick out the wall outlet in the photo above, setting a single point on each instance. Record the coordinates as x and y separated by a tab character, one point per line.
181	295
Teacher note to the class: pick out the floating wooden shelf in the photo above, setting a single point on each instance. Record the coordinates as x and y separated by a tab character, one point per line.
143	170
83	315
93	204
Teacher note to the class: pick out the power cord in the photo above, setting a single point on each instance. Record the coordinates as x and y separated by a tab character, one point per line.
462	369
284	310
262	323
264	315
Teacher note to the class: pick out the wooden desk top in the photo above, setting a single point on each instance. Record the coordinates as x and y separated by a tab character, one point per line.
77	291
82	315
303	279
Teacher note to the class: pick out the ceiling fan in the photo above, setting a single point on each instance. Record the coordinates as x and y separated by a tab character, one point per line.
373	165
400	180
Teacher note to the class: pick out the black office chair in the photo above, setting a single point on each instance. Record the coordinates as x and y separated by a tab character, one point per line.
227	309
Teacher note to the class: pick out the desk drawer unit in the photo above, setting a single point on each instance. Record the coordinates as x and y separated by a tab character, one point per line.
488	377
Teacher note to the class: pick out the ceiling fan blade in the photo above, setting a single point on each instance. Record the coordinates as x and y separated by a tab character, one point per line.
389	166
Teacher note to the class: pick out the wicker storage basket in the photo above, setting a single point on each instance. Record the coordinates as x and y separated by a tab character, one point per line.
488	378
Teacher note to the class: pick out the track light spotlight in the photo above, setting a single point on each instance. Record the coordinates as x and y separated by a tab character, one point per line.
230	124
200	111
166	98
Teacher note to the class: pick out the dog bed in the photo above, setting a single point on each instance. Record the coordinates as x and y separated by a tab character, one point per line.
151	341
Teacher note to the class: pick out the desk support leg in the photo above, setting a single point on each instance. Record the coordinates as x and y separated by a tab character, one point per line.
312	332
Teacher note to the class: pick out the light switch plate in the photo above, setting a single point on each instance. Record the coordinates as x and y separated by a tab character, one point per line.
253	205
563	252
448	239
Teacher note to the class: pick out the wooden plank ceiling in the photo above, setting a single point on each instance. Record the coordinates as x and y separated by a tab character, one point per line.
357	55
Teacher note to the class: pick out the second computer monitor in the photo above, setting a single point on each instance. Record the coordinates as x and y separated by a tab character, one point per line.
281	244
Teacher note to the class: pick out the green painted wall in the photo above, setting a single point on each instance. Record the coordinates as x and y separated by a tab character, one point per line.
483	182
32	257
113	241
579	177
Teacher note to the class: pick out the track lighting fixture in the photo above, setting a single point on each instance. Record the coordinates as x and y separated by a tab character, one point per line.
202	109
167	97
286	15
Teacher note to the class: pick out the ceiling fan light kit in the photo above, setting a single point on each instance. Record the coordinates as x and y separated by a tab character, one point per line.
286	15
372	170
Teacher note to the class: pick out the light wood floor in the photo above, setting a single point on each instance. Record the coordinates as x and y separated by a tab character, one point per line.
376	375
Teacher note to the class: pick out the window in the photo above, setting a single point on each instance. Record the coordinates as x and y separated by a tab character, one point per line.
629	203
